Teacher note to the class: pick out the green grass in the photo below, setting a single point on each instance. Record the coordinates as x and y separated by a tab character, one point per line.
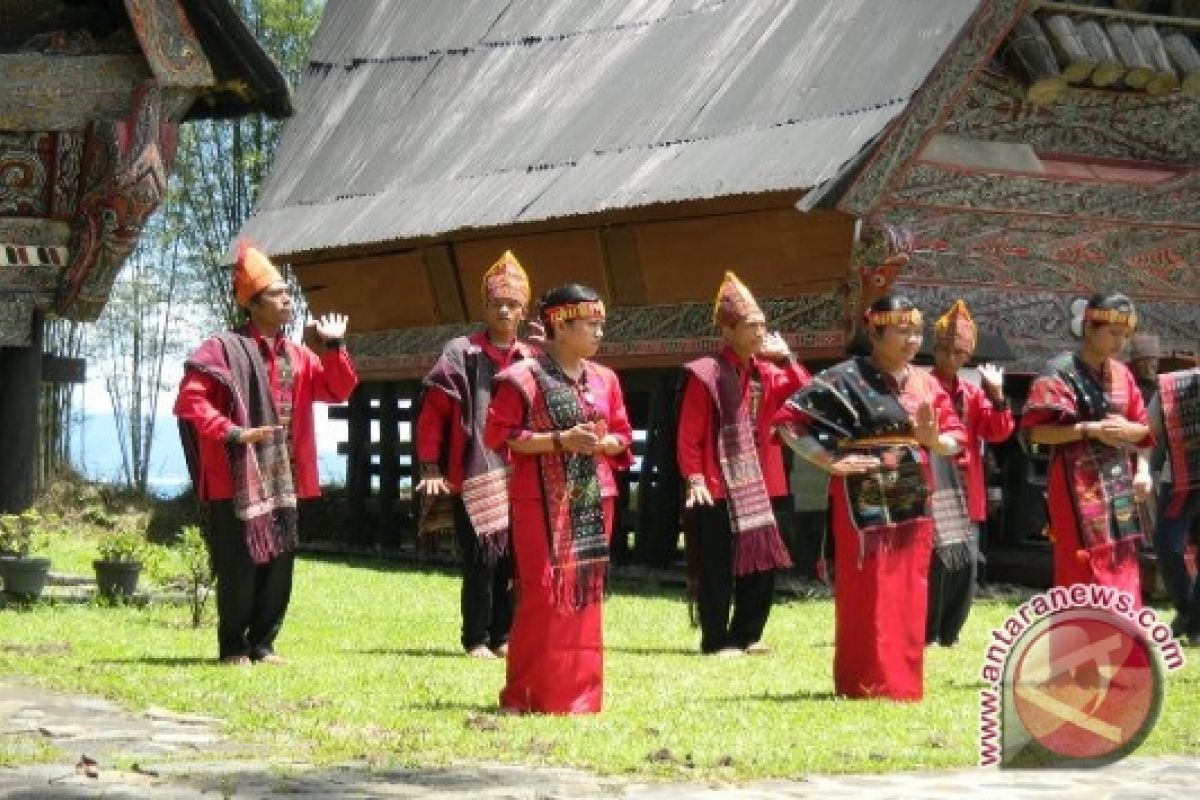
376	673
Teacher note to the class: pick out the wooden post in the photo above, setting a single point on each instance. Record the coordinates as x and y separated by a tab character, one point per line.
1139	70
1165	80
358	460
20	391
646	526
1077	63
407	469
638	407
658	489
1109	68
1030	50
386	531
1185	57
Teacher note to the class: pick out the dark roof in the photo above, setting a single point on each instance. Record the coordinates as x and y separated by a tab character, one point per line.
418	119
238	60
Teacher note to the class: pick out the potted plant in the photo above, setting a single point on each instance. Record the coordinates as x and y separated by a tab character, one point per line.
120	564
24	575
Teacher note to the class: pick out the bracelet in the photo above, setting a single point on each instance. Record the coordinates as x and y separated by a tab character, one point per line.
333	344
556	439
234	434
1083	432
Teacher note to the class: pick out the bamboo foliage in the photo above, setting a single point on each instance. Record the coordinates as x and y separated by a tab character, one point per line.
220	165
176	286
136	336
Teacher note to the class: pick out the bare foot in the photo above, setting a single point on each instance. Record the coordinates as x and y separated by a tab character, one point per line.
480	651
728	652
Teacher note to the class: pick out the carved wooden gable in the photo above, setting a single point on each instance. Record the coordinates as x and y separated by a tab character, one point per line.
91	98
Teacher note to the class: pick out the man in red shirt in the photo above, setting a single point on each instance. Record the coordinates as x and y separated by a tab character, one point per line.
246	419
734	472
986	417
465	484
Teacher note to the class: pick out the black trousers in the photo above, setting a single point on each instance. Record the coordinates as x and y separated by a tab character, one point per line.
252	599
750	596
486	599
951	592
811	541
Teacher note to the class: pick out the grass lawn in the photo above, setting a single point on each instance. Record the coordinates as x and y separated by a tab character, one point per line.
376	673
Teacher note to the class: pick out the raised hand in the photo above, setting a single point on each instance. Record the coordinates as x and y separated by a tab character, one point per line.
536	332
774	347
332	326
993	378
925	426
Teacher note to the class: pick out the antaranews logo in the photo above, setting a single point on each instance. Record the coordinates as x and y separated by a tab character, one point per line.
1075	678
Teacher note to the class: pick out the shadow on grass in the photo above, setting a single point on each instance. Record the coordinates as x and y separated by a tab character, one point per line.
419	652
453	705
792	697
382	563
654	651
671	588
162	661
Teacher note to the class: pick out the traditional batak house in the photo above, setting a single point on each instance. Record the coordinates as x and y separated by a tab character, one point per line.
1016	154
92	93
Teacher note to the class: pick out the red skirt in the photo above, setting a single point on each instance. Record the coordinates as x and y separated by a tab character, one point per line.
1115	566
879	608
555	655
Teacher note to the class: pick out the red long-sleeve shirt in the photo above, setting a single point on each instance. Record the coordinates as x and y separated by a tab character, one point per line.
983	421
438	429
202	401
696	444
506	421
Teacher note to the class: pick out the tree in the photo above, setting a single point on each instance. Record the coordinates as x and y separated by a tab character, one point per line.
136	334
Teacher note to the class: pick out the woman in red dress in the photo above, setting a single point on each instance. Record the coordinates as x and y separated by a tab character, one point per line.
562	417
871	423
1087	407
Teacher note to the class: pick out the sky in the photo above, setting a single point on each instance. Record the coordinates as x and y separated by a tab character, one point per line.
96	454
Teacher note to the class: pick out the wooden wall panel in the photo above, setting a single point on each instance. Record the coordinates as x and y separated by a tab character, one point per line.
624	269
551	259
443	281
777	253
379	292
